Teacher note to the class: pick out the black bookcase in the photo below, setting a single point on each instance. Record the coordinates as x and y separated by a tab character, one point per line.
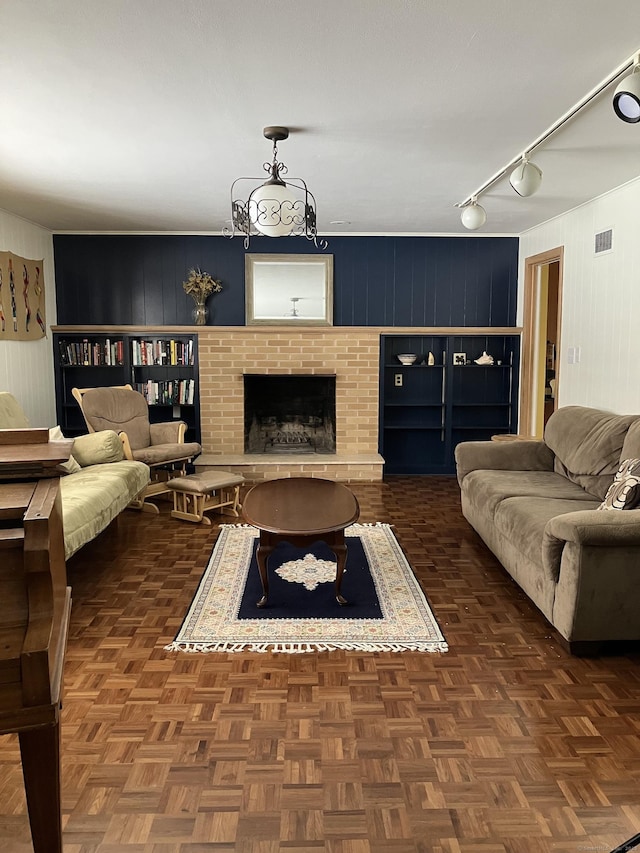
163	367
426	409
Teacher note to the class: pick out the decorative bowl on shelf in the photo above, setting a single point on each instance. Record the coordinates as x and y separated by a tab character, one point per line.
407	358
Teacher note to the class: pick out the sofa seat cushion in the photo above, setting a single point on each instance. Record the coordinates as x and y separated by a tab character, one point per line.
165	453
521	522
94	496
488	489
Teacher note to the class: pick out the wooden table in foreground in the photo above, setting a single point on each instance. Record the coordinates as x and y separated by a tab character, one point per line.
34	618
300	510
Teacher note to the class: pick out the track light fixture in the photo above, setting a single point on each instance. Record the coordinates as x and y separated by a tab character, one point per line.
626	98
473	215
526	177
278	207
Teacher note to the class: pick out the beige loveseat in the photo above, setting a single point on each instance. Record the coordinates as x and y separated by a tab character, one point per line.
534	503
101	483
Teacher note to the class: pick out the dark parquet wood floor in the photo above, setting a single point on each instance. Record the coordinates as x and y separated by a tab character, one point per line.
506	744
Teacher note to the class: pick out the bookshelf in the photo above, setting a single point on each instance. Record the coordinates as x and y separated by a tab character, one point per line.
162	366
427	409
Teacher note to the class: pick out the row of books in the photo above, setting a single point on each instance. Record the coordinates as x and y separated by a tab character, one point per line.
179	392
161	352
91	353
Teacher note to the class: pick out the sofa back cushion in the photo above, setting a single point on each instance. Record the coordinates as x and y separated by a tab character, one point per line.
11	414
631	446
587	444
119	409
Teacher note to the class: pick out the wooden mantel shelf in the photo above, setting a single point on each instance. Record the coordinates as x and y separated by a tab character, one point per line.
305	330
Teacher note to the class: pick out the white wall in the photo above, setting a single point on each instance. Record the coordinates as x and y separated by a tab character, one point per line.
601	300
26	367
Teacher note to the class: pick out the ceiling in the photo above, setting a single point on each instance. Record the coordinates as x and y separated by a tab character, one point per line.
137	116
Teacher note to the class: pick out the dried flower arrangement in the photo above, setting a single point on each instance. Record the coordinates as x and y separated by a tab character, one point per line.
200	285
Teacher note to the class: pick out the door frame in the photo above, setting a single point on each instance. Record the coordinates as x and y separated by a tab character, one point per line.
530	338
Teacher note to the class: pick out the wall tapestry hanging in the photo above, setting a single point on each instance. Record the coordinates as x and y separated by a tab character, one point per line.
22	316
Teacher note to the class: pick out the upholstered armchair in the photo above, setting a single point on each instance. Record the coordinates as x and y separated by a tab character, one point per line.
161	446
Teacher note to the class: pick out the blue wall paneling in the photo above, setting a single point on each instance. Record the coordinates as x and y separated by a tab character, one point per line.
378	281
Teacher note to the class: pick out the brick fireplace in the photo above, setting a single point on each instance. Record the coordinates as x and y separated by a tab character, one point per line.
289	413
351	354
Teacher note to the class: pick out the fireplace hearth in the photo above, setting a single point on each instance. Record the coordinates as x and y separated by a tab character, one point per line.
289	413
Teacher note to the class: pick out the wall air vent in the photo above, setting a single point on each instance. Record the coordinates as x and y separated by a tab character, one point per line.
604	241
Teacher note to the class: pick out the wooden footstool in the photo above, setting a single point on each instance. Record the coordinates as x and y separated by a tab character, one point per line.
195	494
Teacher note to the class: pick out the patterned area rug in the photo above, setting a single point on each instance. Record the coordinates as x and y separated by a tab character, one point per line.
386	609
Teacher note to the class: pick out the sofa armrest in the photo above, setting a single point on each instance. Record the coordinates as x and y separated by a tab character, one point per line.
503	456
586	528
596	527
171	432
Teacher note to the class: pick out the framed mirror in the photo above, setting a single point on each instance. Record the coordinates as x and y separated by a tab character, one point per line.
289	290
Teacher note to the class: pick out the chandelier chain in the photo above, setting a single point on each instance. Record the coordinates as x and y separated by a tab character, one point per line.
275	168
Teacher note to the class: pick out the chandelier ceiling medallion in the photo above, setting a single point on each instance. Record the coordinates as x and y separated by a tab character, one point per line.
278	207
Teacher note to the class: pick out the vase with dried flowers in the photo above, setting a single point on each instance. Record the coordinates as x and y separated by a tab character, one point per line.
200	285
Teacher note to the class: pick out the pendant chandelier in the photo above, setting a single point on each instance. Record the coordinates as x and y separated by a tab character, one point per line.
278	207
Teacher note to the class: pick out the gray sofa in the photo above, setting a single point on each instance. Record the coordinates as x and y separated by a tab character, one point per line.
534	503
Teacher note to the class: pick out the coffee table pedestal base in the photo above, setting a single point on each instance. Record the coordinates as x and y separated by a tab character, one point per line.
268	542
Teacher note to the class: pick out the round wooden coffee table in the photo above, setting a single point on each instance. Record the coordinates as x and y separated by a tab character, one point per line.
300	510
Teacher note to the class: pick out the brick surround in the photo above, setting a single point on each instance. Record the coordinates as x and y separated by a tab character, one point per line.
352	353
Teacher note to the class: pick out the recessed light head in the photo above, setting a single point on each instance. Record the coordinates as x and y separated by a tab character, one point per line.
626	98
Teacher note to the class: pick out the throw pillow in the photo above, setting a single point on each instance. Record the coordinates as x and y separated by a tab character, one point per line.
98	448
624	492
71	465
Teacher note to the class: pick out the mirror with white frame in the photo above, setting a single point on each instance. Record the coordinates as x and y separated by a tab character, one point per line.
290	290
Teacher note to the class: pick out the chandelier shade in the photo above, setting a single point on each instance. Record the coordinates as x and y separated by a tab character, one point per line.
274	209
277	207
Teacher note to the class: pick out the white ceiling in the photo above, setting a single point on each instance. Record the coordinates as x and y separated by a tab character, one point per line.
136	115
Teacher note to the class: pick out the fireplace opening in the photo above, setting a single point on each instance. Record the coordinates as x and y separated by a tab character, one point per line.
289	414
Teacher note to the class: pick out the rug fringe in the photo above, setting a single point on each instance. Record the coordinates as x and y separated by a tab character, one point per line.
305	648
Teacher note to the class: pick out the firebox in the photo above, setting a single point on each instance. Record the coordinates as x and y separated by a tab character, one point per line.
289	413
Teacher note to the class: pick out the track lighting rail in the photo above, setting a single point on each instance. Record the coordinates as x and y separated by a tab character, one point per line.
571	113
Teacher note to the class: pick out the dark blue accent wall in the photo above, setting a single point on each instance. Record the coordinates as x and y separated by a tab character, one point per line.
378	281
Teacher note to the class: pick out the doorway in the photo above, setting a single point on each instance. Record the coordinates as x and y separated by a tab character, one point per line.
541	340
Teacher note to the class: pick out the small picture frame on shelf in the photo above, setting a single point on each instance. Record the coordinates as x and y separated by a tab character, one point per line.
459	358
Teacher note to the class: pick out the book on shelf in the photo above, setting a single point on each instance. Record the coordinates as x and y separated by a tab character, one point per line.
168	392
161	352
86	353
